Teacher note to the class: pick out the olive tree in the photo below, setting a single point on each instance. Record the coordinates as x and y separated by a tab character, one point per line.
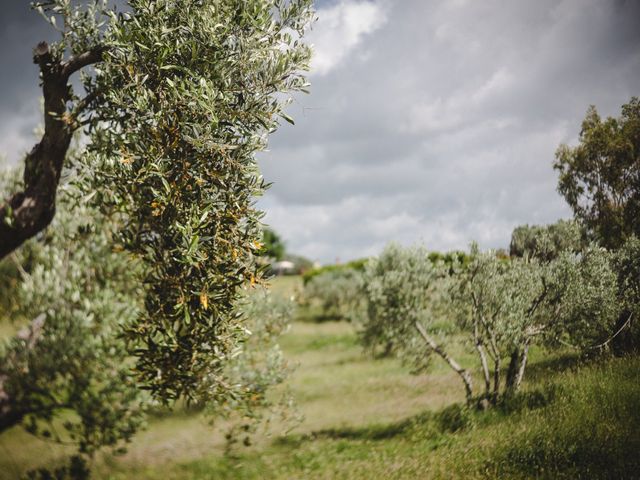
626	263
75	294
500	306
496	302
585	304
546	242
336	293
66	376
400	289
180	96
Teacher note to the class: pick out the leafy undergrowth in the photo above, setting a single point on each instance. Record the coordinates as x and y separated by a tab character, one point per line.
584	423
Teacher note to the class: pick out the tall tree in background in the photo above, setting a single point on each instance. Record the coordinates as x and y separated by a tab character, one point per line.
600	178
272	244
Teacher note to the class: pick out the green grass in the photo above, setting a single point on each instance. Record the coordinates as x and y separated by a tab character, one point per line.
286	285
368	418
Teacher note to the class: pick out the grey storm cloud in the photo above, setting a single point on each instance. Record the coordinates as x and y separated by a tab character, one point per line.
428	121
20	30
437	122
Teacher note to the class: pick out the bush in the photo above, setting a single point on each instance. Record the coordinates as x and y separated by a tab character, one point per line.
627	267
356	265
336	293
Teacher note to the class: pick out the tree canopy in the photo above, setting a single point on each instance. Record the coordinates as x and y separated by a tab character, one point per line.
600	177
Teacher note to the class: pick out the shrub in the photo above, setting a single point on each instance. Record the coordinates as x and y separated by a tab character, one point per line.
336	293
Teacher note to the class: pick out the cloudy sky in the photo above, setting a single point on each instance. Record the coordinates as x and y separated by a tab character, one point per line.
428	121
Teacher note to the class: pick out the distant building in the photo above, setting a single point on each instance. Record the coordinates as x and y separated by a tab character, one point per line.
283	267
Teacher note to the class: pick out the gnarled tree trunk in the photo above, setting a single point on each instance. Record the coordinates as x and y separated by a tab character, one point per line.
31	210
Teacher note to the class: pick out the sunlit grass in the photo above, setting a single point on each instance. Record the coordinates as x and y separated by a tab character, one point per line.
367	418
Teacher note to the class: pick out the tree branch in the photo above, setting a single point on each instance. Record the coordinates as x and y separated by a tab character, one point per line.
84	59
466	378
31	210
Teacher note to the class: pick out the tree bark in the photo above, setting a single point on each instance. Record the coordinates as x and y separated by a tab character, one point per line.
29	211
517	365
466	378
483	358
496	377
512	369
485	368
523	364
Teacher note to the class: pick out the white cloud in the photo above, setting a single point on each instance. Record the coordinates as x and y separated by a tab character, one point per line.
447	132
340	29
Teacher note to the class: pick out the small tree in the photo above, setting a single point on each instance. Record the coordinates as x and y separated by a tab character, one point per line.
627	268
546	242
335	292
600	178
509	305
70	357
584	304
501	306
498	303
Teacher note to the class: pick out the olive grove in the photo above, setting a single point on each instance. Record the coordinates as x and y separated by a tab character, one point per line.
499	307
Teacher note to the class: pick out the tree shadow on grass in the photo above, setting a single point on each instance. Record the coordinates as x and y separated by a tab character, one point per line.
452	419
547	368
371	432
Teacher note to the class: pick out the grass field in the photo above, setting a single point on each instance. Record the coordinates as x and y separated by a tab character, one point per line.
369	418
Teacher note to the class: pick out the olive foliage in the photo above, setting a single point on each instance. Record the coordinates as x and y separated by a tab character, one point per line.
181	97
140	285
499	306
76	295
71	361
335	293
400	290
546	242
191	92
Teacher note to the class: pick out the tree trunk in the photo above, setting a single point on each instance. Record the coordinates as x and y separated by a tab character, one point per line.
517	365
496	378
485	368
30	211
464	375
523	364
483	359
512	369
